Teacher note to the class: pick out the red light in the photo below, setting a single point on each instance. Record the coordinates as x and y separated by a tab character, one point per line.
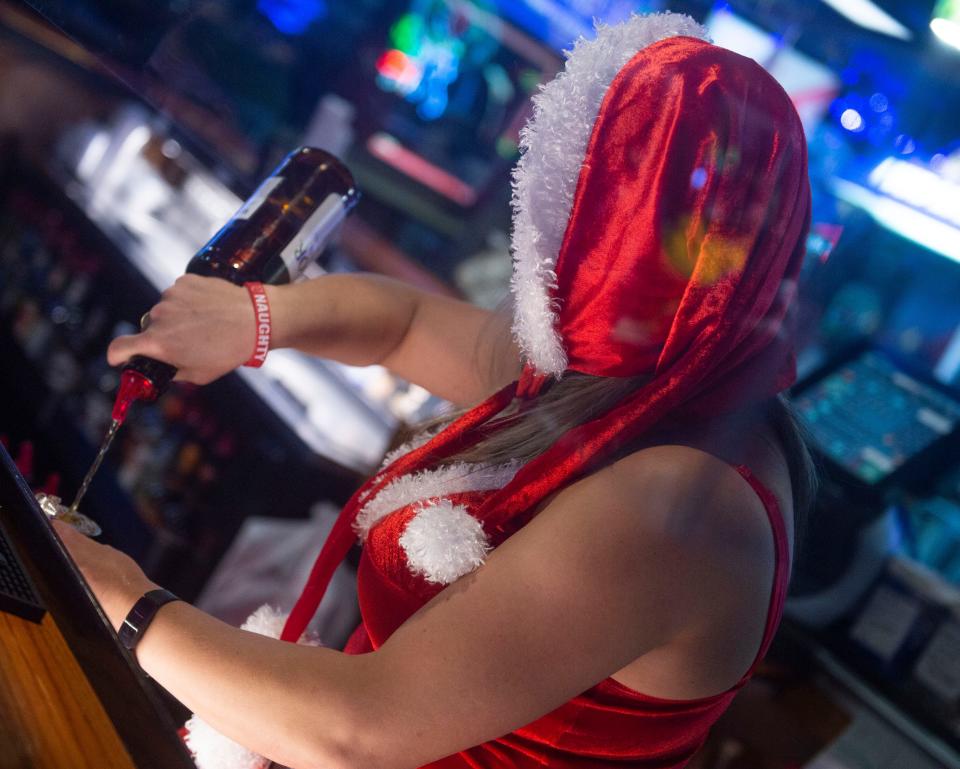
393	63
386	148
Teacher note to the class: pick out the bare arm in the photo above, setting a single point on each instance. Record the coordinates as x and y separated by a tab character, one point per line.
205	327
562	604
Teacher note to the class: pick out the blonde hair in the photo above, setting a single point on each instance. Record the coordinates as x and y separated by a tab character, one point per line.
526	429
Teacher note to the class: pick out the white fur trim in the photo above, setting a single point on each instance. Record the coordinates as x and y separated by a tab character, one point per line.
415	442
210	748
554	144
429	484
443	542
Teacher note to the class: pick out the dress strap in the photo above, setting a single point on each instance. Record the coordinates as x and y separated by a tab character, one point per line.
781	578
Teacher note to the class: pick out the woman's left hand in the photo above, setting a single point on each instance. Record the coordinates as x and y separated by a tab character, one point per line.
114	577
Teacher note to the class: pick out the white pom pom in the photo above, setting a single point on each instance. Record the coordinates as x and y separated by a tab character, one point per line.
443	542
210	748
266	621
429	484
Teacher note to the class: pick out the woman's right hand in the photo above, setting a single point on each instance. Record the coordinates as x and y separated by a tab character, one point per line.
203	326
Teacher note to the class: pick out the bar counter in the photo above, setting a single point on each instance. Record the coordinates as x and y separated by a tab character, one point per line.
71	696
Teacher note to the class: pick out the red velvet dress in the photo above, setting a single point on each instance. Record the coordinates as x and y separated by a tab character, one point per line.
607	725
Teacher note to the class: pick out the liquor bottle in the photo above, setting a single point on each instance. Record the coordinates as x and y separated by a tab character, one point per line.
277	232
274	236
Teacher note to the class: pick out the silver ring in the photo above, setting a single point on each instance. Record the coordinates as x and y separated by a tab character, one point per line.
145	320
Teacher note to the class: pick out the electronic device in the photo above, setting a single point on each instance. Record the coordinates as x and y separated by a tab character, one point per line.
877	421
877	426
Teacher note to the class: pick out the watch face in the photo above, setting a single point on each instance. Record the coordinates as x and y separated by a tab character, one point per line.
141	615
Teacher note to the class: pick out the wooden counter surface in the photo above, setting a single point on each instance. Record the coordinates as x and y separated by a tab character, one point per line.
50	717
71	697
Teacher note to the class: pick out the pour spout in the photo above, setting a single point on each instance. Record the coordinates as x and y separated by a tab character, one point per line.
134	386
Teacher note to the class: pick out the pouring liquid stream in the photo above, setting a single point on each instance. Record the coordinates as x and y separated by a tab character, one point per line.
133	387
108	439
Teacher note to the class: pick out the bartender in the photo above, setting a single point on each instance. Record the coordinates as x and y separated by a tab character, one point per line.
613	506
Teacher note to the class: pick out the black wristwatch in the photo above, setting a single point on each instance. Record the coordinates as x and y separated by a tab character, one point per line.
141	615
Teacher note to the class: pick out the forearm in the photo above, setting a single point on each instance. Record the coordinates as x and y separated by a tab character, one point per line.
455	350
206	327
357	319
298	705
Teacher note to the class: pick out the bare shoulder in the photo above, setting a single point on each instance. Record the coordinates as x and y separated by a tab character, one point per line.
700	498
700	508
687	511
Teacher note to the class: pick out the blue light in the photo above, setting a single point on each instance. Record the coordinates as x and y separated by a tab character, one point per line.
904	144
292	17
851	120
850	75
698	178
879	102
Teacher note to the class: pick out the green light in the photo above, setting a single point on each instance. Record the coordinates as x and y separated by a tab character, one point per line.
529	80
947	9
506	148
407	33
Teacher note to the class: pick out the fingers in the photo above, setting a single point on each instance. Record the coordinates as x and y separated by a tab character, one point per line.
123	348
71	538
146	342
186	285
200	325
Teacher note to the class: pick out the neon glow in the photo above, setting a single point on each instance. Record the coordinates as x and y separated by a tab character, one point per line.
400	71
945	23
920	187
870	16
292	17
423	63
385	147
920	227
851	120
947	31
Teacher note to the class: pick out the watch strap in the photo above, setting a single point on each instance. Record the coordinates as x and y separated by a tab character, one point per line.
141	615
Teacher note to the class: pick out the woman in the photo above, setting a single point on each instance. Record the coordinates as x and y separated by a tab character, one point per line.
580	570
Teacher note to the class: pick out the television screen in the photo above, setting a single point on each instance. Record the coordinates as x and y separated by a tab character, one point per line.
448	93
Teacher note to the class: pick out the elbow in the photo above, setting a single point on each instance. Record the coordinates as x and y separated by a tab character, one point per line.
367	724
358	740
354	752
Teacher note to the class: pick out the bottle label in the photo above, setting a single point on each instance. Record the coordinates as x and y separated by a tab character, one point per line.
249	208
314	235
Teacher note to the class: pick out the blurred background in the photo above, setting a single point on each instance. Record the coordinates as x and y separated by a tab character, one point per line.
131	131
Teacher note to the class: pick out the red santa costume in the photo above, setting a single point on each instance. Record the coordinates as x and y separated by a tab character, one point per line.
661	204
